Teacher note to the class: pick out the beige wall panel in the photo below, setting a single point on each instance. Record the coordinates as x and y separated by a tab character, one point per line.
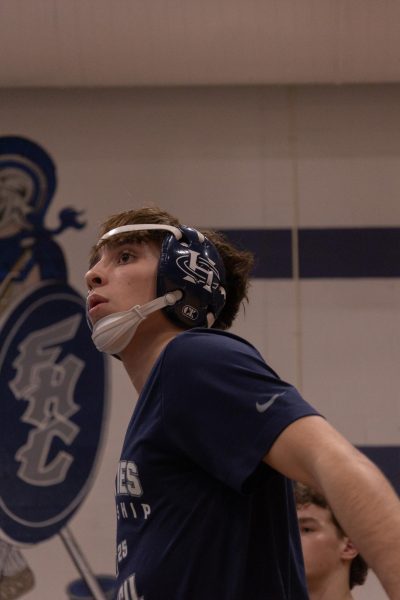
351	349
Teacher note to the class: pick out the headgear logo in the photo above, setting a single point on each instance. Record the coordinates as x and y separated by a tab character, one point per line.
199	270
190	312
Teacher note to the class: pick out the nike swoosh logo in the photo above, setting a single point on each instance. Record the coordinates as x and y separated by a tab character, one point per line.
263	407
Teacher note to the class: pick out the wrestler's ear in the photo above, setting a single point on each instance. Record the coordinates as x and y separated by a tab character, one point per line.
349	551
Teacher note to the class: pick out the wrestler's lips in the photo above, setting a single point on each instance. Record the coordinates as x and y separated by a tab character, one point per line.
94	300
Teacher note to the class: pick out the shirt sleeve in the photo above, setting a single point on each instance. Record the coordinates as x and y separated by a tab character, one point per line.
222	405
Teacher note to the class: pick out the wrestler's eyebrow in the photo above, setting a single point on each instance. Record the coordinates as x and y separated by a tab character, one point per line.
307	520
112	245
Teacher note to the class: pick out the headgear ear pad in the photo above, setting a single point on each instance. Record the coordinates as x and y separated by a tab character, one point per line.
193	265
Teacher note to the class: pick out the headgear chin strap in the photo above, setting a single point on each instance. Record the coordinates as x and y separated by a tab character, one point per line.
113	333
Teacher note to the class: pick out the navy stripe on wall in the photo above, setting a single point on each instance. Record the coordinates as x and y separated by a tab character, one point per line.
323	253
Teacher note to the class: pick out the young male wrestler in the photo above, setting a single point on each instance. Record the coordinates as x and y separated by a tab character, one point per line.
205	508
333	564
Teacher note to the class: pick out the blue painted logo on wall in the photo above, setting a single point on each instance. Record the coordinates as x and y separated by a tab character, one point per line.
52	379
52	390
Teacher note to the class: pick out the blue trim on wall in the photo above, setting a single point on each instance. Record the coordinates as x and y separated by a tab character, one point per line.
351	253
272	249
323	253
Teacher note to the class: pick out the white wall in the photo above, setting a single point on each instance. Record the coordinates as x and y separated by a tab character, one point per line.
226	158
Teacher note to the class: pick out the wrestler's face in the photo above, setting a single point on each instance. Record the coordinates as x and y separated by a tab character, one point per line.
324	548
122	276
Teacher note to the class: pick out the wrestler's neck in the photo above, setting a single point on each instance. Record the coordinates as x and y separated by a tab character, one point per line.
150	339
334	588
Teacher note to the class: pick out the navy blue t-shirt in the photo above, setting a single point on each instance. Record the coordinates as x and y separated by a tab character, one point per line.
200	516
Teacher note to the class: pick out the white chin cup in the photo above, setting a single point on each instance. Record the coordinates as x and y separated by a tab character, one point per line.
113	333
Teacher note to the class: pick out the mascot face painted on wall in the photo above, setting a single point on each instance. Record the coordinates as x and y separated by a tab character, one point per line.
27	184
16	190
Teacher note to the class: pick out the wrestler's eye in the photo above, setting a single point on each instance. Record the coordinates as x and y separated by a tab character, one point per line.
306	529
126	256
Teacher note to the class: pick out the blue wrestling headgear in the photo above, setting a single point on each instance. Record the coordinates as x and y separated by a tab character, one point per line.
190	286
191	263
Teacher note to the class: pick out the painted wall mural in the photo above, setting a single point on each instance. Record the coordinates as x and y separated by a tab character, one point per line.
52	408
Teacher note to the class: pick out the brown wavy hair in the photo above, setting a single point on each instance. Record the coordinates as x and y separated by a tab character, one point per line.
238	263
305	495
